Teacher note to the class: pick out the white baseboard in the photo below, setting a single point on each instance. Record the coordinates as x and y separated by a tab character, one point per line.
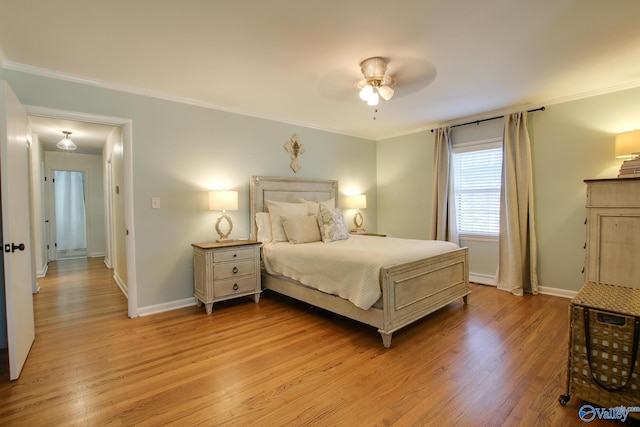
43	272
123	286
545	290
485	279
96	255
167	306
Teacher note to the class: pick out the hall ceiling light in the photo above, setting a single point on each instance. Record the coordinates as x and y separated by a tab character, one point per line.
66	143
376	84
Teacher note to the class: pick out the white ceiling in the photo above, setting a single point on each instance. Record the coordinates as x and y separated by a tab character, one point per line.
298	61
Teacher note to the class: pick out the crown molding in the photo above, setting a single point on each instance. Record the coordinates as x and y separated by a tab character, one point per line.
45	72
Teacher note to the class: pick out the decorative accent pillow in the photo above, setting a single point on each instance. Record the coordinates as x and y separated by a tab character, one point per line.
276	211
332	226
301	228
263	222
314	207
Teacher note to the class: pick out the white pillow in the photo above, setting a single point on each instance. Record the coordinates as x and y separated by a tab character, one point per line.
332	226
263	222
276	211
301	228
314	207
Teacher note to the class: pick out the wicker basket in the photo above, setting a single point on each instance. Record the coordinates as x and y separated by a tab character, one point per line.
606	317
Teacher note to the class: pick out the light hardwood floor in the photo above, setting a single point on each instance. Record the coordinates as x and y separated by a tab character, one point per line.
500	360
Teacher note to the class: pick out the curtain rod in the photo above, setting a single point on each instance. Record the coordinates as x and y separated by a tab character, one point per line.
491	118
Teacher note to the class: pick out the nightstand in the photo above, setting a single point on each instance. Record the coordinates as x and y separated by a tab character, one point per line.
368	234
225	270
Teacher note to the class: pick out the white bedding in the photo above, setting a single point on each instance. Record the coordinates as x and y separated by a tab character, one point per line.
347	268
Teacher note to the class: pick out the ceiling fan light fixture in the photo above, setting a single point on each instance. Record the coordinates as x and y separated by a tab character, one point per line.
373	99
66	143
385	92
366	92
375	84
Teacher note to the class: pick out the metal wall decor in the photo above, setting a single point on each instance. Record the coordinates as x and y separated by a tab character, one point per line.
294	147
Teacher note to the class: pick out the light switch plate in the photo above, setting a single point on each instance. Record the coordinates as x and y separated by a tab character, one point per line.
155	202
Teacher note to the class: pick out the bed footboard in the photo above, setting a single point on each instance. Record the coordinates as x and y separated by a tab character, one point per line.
413	290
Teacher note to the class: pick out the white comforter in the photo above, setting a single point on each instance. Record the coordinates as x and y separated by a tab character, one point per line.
347	268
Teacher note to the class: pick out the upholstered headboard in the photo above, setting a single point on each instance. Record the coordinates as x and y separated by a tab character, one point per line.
284	189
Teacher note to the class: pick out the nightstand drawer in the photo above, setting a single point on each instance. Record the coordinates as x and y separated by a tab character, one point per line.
232	254
227	287
226	270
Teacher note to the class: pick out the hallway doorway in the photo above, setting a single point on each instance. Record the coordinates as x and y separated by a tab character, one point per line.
117	178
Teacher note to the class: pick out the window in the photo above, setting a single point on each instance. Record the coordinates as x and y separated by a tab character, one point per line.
477	169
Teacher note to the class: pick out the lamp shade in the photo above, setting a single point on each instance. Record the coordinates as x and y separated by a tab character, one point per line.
385	92
628	144
223	200
358	201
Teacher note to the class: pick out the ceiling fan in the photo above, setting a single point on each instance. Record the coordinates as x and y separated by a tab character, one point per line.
376	83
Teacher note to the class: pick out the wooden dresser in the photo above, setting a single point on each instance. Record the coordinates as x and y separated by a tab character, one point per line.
225	270
613	232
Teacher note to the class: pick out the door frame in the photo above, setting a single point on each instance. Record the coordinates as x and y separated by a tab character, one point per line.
127	141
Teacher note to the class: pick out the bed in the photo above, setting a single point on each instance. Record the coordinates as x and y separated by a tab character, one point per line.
408	290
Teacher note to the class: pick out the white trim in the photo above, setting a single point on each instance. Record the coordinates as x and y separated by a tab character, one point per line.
43	272
167	306
56	113
482	279
121	285
127	141
545	290
44	72
29	69
485	279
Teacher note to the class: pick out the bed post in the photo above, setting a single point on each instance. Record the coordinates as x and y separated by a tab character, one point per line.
386	338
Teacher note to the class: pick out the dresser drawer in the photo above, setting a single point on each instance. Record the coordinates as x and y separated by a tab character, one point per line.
240	285
232	254
227	270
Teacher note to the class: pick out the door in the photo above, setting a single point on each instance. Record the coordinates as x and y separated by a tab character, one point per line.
68	214
16	257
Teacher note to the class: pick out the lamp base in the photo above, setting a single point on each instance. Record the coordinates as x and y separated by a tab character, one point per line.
357	221
358	230
224	236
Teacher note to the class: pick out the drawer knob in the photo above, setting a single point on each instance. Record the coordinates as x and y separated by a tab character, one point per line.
235	255
235	286
234	270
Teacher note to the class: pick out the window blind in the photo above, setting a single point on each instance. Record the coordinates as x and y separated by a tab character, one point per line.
477	183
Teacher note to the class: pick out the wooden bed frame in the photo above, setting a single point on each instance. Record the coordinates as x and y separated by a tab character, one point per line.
410	291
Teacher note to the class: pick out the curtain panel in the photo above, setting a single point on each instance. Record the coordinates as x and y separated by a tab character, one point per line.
443	225
517	265
71	227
